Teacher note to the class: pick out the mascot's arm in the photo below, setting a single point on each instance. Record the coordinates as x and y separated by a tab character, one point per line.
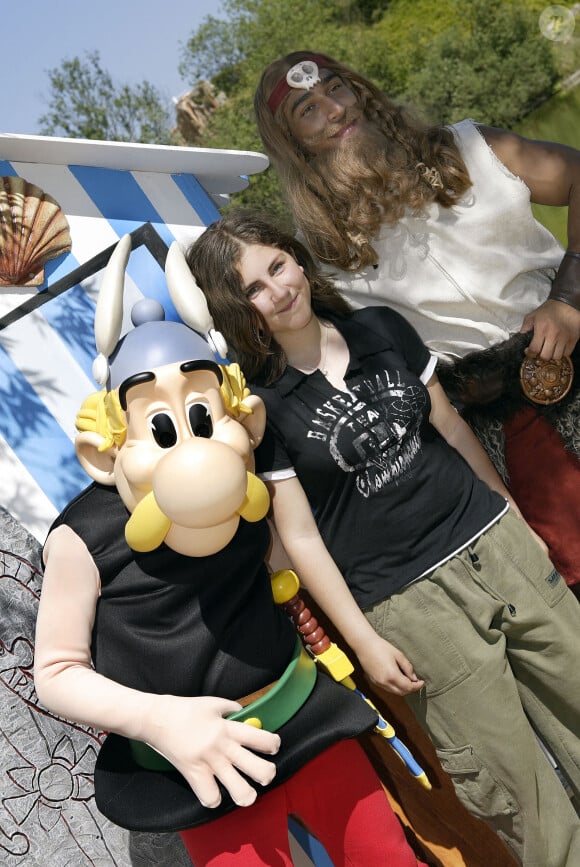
191	732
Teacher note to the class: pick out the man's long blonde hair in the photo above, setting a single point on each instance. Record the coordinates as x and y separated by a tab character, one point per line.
341	207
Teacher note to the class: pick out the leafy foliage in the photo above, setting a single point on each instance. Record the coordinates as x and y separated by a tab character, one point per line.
233	51
398	44
86	103
214	52
492	65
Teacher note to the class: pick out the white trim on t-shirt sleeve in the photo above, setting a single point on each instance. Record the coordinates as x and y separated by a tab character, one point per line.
429	370
277	475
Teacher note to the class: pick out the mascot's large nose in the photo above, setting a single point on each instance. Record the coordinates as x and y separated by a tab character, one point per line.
200	483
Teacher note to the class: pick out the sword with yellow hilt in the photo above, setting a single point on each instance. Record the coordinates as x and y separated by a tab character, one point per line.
333	660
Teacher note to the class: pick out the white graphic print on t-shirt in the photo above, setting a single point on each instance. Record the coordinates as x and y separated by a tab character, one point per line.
373	432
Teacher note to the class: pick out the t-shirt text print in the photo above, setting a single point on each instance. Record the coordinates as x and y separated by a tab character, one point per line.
373	432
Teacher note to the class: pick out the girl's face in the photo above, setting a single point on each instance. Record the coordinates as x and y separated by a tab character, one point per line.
322	118
275	284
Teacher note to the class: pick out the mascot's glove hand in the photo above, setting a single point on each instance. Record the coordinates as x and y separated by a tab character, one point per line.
388	667
194	736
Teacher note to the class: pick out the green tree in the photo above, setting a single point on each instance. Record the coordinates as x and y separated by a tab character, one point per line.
398	43
492	65
232	51
85	102
215	51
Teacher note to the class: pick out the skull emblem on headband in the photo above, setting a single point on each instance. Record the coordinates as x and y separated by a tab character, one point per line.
303	75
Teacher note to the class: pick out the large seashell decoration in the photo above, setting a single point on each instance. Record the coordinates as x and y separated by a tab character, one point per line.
33	230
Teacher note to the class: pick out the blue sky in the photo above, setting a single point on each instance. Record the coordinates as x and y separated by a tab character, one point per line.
137	39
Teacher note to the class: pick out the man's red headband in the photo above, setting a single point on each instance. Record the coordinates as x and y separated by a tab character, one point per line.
284	87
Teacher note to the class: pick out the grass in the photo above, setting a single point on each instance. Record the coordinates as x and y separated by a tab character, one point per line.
557	120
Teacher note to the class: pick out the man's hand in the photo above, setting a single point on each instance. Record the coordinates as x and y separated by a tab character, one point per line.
556	328
389	667
194	736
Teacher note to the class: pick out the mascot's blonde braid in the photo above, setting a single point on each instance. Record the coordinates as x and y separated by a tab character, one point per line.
101	413
234	390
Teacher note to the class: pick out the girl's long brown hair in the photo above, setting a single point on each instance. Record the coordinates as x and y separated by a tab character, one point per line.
214	260
340	208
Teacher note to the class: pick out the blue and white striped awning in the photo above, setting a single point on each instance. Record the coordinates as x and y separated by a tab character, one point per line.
106	189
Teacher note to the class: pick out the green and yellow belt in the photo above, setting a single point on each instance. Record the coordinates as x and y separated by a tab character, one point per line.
269	708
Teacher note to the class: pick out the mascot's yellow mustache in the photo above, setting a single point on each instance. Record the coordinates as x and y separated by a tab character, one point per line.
148	526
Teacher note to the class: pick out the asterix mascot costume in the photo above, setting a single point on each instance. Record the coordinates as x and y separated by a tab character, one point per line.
157	622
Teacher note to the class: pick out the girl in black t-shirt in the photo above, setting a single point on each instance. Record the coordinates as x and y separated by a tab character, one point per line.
402	531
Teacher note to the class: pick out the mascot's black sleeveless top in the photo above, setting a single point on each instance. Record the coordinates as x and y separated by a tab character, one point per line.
167	623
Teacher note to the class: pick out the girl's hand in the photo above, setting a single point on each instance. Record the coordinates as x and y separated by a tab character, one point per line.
389	667
514	508
194	736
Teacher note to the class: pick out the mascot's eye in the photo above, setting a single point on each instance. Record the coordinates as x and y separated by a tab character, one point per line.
163	430
200	420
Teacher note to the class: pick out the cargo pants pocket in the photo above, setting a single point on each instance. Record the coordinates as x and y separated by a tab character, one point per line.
477	789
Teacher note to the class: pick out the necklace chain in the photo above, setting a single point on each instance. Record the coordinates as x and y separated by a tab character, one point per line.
322	366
